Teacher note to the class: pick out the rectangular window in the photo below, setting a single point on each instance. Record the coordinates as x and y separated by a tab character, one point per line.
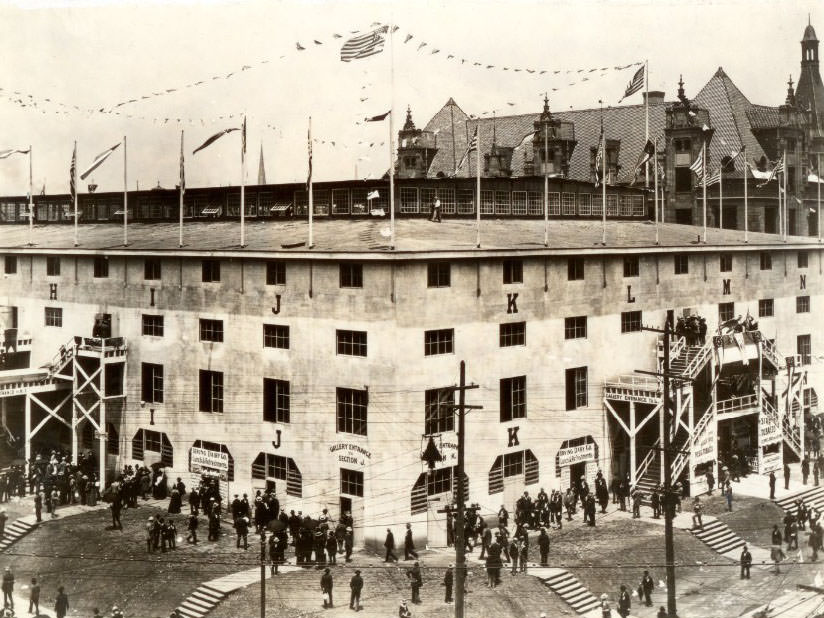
151	269
275	400
513	271
151	385
439	341
211	330
52	266
513	398
575	269
351	410
725	263
438	275
513	464
802	304
101	267
10	265
681	264
576	327
351	482
275	336
351	275
576	388
765	308
630	321
439	410
351	342
804	349
211	391
152	325
153	441
210	271
683	179
766	261
803	259
631	266
726	311
275	273
54	316
511	334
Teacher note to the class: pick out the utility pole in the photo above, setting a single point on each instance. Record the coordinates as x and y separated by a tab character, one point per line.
263	573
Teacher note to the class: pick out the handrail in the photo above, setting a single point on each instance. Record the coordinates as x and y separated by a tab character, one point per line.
737	403
692	368
685	453
770	350
642	469
633	380
63	355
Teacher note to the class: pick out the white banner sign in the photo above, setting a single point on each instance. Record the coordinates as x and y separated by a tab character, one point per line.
203	458
703	449
576	454
771	462
768	431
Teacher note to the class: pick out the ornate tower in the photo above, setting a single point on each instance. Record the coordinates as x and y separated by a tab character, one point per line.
416	149
552	144
809	93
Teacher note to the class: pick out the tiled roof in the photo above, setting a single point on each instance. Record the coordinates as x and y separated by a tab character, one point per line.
371	237
809	93
763	116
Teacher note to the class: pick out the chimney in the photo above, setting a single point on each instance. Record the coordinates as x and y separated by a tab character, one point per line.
656	97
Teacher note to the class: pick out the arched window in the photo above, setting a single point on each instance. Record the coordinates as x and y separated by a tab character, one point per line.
433	483
147	440
270	466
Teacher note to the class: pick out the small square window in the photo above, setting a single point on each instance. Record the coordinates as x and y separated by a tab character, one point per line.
802	304
276	336
275	273
211	330
101	267
54	316
151	269
513	271
439	341
681	264
726	312
352	410
152	325
52	266
11	265
631	266
351	482
351	275
803	259
765	261
765	308
575	327
575	269
630	321
512	334
513	464
438	275
351	342
210	271
725	263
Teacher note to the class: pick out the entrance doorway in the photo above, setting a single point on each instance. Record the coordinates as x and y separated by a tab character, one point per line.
436	520
345	506
576	471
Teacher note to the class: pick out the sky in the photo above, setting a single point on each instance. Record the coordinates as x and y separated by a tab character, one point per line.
93	55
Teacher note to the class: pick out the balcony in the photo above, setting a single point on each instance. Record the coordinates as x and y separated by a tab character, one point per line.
633	387
737	406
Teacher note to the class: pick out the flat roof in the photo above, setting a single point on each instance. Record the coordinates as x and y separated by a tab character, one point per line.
369	238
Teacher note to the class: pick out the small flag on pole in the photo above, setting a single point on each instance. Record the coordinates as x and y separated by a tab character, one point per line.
182	168
599	156
364	45
309	142
373	195
98	160
214	138
377	118
635	84
5	154
698	165
73	174
779	167
646	155
715	178
473	144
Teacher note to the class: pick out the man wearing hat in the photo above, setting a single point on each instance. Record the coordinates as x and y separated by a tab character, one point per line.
326	588
416	581
8	588
356	585
447	582
605	610
403	610
61	604
349	543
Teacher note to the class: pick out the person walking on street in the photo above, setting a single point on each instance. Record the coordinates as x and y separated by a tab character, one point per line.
416	581
192	527
326	589
624	602
543	546
647	586
389	544
746	562
710	482
8	588
815	473
772	485
38	506
606	612
436	217
61	604
447	582
355	585
697	511
409	546
728	495
786	475
805	470
814	541
34	597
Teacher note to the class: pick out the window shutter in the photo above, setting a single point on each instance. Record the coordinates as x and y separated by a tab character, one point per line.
531	474
113	440
259	466
419	495
137	445
166	451
294	479
205	392
570	389
496	477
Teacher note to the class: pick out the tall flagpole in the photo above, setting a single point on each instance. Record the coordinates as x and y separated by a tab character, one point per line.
603	179
74	182
746	219
125	198
478	184
243	185
818	185
704	183
721	197
182	189
655	179
646	119
546	190
392	138
31	202
311	198
784	182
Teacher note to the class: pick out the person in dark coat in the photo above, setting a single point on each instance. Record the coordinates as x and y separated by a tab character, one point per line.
624	602
786	476
647	586
772	485
348	544
34	597
8	588
242	529
192	527
415	581
331	547
805	470
447	582
175	501
746	562
389	544
61	604
409	546
326	588
355	585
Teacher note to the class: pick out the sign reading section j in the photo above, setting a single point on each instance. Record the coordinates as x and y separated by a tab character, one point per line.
203	458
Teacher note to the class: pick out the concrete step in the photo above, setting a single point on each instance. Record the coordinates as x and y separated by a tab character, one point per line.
572	591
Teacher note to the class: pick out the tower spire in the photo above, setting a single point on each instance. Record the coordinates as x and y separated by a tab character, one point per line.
261	169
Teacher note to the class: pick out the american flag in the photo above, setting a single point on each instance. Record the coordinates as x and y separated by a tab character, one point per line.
309	142
599	157
364	45
714	178
73	174
473	145
182	167
698	165
779	168
635	84
4	154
